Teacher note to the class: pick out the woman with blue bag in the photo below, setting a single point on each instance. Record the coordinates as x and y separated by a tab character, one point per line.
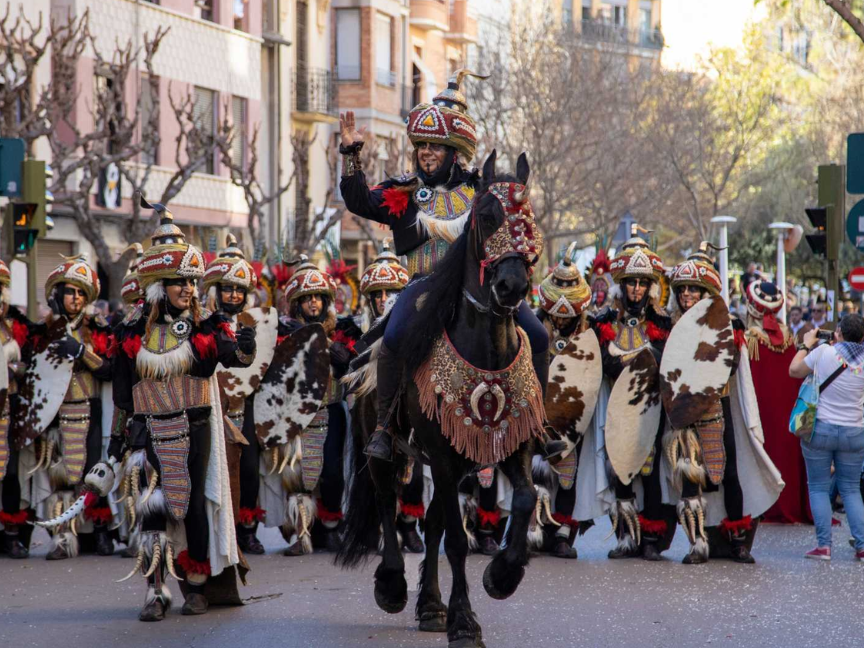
837	393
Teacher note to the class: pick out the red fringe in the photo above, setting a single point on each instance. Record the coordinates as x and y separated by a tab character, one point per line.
16	519
652	527
20	333
132	345
395	201
343	338
565	520
100	515
102	343
736	527
413	510
488	518
192	566
205	344
655	333
607	333
281	338
740	338
225	327
328	516
249	515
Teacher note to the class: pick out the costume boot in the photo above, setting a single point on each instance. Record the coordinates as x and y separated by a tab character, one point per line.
740	553
411	541
12	544
380	444
625	520
104	543
195	603
247	540
563	543
156	604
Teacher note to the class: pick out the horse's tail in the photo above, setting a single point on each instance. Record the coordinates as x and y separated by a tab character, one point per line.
362	522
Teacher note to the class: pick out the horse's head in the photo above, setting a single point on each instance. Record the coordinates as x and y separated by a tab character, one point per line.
505	241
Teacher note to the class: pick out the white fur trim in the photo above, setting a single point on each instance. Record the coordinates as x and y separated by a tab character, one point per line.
68	541
165	596
155	505
158	366
155	292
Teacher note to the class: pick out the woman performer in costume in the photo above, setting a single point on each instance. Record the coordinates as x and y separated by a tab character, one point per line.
426	211
167	402
771	347
14	480
635	322
711	476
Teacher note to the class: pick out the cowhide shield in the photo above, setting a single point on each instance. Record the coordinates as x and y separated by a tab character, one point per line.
42	389
575	375
4	415
294	386
697	362
236	384
633	416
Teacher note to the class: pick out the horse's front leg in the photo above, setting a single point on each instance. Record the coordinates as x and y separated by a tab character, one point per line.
463	630
431	611
504	573
391	588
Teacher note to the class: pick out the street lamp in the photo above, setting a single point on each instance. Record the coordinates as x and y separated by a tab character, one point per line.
724	222
781	228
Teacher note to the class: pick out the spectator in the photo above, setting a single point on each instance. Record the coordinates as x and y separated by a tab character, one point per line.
818	316
838	434
797	324
748	277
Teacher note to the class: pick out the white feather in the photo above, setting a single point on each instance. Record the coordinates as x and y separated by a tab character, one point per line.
155	293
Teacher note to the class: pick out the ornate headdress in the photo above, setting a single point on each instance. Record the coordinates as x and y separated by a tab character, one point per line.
564	292
384	273
518	234
230	267
635	260
169	256
446	120
131	291
74	271
764	301
698	270
5	275
309	280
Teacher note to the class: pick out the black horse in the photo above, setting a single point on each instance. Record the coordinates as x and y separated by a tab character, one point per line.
478	316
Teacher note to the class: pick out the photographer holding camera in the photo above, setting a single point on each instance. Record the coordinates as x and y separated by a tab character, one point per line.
838	435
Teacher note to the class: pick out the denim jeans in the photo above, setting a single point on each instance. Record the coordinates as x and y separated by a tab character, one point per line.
844	447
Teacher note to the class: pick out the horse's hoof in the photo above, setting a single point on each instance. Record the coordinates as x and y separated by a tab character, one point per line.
500	593
433	621
388	604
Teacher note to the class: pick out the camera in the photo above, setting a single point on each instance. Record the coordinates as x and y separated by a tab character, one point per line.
825	335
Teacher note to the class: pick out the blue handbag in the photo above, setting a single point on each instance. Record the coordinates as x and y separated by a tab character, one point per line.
802	420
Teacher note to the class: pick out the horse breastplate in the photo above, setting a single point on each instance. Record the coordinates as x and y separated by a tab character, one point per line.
630	337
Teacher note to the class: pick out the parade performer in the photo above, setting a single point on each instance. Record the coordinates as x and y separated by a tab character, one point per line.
72	359
575	377
600	281
426	210
229	282
632	334
309	465
714	445
169	414
771	347
15	462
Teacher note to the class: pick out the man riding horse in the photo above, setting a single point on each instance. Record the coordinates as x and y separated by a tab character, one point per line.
426	210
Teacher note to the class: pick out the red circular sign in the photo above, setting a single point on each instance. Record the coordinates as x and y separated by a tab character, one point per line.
856	278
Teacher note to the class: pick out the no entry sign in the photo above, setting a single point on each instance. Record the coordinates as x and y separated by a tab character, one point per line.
856	279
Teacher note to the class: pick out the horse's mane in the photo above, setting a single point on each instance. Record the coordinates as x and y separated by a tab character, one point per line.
442	289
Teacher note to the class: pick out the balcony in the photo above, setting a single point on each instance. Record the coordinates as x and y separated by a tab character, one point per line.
430	14
463	24
596	31
313	97
406	96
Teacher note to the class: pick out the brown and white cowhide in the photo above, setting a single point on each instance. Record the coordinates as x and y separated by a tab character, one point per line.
633	416
294	386
575	375
697	361
42	389
235	385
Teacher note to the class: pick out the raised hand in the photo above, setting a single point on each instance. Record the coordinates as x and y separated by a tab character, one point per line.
348	129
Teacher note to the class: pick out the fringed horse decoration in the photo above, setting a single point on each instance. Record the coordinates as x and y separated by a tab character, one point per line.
472	399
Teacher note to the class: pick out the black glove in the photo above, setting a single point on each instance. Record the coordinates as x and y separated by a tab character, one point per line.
339	355
246	340
69	347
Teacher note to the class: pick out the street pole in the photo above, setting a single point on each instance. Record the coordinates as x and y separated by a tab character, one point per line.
32	306
724	222
781	229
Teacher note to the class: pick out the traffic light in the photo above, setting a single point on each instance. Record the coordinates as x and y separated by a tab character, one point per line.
35	190
23	233
818	240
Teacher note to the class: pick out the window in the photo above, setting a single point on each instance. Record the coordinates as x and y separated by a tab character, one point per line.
619	16
103	96
348	44
240	14
205	119
383	50
567	14
645	20
586	13
204	10
238	144
149	119
301	33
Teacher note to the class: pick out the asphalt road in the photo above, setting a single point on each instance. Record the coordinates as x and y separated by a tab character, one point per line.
784	601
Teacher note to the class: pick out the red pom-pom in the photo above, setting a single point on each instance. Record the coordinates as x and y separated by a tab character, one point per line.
328	516
413	510
740	338
20	332
14	519
343	338
281	338
192	566
488	518
101	342
205	344
132	345
250	515
736	527
652	527
565	520
395	201
100	515
655	333
607	333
